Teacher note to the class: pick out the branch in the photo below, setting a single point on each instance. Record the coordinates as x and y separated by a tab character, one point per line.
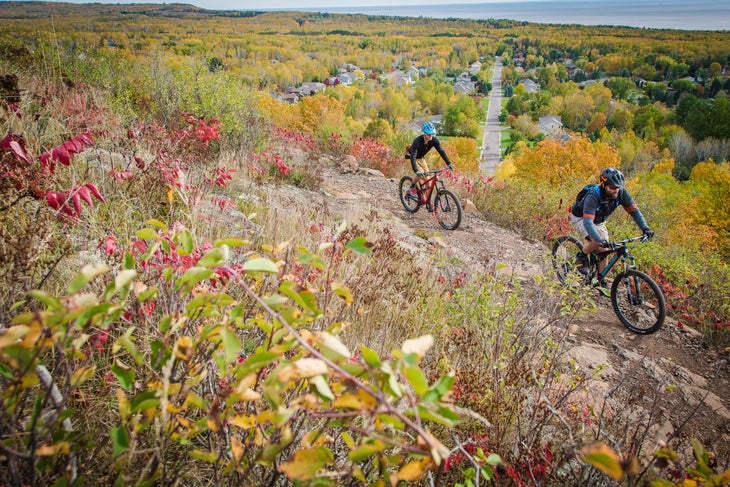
358	383
60	403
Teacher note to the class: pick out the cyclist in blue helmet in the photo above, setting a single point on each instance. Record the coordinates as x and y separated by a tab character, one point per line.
593	205
420	147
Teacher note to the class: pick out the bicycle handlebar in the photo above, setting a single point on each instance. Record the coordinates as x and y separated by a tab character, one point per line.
622	243
438	171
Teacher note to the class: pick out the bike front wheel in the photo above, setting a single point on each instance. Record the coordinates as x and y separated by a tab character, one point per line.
638	302
410	202
564	251
448	209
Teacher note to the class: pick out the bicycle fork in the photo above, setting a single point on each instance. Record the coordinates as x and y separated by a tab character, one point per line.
632	283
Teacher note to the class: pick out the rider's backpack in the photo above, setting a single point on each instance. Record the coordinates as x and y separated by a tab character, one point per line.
408	151
578	205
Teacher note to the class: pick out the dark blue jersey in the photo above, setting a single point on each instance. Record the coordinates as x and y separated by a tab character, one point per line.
598	206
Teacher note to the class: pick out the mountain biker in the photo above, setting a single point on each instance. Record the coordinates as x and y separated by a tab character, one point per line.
593	207
420	147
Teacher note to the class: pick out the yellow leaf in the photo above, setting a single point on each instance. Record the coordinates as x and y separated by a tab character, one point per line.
60	448
302	369
333	343
414	471
419	346
82	375
243	422
603	458
236	448
12	334
306	463
349	401
213	424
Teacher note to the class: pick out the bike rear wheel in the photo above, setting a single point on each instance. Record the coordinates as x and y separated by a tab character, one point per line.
448	209
563	255
638	302
410	203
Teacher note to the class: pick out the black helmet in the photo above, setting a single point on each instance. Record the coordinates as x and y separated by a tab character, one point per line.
613	177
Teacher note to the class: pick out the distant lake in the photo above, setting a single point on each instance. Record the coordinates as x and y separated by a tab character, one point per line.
653	14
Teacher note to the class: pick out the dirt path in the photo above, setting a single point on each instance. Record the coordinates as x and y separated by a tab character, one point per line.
676	357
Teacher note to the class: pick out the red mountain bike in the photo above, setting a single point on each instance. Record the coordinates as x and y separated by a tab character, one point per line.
433	194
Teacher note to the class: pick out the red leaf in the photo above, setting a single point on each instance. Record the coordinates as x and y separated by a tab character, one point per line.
5	142
18	151
85	139
48	165
52	197
61	155
110	246
77	203
73	146
85	195
95	192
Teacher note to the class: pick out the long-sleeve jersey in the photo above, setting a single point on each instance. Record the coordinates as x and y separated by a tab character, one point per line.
419	148
595	207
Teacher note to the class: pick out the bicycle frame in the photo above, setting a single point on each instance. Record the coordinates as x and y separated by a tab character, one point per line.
425	188
620	253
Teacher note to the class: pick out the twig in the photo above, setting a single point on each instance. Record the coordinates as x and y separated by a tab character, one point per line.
60	403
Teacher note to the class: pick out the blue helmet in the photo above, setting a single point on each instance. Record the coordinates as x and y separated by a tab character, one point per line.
428	128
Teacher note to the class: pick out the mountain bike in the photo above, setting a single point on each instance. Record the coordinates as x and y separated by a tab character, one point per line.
433	194
636	298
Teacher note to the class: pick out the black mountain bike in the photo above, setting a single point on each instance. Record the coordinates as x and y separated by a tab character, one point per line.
444	204
636	298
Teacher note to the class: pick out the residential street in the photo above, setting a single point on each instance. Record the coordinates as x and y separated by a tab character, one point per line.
490	150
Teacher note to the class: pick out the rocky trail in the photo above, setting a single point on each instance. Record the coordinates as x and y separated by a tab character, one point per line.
699	401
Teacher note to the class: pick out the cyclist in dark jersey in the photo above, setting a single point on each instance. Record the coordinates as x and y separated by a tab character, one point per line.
420	147
594	205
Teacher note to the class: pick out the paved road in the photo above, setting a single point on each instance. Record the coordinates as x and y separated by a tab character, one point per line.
490	150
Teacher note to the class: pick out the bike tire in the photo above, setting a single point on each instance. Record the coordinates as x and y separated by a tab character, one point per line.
563	257
410	204
638	302
448	209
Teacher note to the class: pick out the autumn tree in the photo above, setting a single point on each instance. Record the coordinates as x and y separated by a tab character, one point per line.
464	154
462	118
379	130
553	163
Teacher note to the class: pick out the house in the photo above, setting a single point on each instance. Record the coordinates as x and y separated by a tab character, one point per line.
464	86
551	125
311	88
347	78
475	67
413	73
398	78
530	86
289	97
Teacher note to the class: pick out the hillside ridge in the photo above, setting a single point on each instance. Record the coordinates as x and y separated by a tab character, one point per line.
673	358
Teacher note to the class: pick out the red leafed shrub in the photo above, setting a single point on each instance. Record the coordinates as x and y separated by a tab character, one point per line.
375	155
25	176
